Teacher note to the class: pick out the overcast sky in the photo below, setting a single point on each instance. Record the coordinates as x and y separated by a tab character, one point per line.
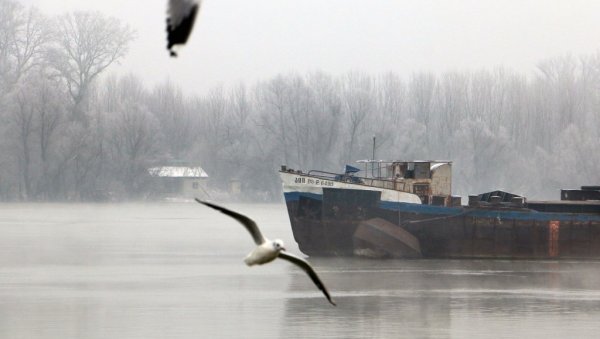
244	40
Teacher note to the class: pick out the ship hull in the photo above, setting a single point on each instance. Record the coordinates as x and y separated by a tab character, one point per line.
324	223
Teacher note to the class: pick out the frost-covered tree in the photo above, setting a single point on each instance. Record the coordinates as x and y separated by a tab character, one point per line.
86	44
23	37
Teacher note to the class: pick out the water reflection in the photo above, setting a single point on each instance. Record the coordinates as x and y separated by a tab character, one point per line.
176	271
441	299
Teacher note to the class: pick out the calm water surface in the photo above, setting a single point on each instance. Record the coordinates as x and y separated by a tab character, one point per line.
175	271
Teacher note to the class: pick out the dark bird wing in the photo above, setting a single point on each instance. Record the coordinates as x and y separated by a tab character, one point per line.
303	264
181	15
244	220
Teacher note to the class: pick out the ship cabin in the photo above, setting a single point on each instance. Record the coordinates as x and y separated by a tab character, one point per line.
431	180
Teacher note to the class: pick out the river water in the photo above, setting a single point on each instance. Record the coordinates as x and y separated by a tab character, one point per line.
175	270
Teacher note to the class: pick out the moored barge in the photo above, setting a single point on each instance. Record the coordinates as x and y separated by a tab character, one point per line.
406	209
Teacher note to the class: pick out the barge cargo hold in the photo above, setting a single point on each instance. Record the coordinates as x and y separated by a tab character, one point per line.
405	209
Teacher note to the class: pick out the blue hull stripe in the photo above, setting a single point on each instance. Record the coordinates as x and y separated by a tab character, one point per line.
479	213
295	196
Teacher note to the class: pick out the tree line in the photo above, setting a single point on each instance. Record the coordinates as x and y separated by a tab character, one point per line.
69	132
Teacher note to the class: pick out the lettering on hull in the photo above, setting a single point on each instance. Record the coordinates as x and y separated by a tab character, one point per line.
312	181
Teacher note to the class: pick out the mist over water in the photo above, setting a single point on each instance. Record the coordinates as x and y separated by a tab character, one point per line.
175	271
73	132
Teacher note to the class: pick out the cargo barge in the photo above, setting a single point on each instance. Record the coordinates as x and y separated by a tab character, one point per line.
406	209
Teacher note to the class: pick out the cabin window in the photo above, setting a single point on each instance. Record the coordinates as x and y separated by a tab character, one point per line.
422	170
195	185
409	173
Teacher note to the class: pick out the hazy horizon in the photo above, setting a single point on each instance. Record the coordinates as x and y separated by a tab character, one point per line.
248	41
81	124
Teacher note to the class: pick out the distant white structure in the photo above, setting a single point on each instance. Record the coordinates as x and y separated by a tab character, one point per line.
186	181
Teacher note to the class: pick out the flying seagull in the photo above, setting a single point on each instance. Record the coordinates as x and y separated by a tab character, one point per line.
267	250
181	15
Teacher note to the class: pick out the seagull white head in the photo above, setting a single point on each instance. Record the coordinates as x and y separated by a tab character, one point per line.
278	245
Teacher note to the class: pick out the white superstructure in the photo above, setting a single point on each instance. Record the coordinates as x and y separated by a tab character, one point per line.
415	182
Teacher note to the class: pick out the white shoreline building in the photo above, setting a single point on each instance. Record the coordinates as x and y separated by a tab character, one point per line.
181	181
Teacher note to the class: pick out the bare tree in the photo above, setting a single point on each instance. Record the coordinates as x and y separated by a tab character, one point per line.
23	38
325	121
421	91
273	116
49	103
558	79
22	119
10	14
176	116
132	135
86	44
389	116
358	104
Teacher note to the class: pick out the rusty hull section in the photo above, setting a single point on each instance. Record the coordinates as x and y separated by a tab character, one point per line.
326	227
380	238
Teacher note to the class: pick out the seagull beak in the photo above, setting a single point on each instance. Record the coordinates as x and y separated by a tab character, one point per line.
283	248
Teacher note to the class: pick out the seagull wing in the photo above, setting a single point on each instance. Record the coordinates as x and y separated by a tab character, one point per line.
304	265
181	15
244	220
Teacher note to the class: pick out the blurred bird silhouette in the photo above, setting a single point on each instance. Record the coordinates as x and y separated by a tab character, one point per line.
181	15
